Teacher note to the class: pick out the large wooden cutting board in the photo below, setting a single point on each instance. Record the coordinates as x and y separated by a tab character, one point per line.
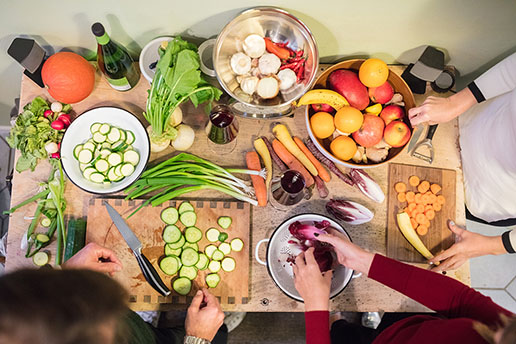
439	236
148	227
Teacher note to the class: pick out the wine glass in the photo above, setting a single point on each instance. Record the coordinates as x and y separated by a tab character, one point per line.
287	190
222	129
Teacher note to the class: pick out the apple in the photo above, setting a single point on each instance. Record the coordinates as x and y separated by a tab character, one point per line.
396	134
347	84
371	131
392	113
322	108
381	94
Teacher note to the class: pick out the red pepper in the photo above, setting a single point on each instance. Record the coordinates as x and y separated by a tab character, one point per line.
299	53
290	65
301	73
273	48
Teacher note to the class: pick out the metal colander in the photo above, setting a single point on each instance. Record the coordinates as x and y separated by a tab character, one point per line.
279	249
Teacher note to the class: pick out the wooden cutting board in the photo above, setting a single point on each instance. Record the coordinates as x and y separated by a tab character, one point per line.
148	227
439	237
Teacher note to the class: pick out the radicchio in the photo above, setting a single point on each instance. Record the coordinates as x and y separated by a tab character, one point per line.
305	234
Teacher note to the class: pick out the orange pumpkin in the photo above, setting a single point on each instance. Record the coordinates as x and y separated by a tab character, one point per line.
68	77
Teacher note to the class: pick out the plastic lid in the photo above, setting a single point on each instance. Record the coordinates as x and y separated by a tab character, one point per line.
98	29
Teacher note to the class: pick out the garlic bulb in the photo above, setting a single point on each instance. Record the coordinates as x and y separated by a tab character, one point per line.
240	63
269	64
249	84
254	46
287	78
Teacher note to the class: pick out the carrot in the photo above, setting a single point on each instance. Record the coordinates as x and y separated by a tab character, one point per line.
421	219
274	156
423	186
418	199
292	162
441	200
323	173
262	149
428	207
435	188
282	134
273	48
401	197
410	196
331	166
413	222
260	190
430	214
432	198
437	206
414	180
411	206
422	230
425	199
414	213
400	187
420	208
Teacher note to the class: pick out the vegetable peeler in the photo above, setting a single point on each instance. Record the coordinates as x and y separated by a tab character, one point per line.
427	142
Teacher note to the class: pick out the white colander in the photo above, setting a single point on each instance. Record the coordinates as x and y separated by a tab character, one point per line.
279	249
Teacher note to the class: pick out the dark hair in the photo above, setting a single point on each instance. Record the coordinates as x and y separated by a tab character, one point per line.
60	307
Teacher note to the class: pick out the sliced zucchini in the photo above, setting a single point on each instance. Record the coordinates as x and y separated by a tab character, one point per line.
95	127
113	135
224	222
97	177
127	170
182	285
45	222
228	264
203	262
82	166
102	165
209	250
105	145
192	245
237	245
118	171
217	255
99	138
89	145
170	215
104	153
42	238
40	258
172	251
172	234
214	266
189	257
104	129
212	280
132	157
225	248
178	244
88	171
192	234
189	272
114	159
169	265
223	236
212	234
185	206
122	135
85	156
76	151
129	137
112	175
188	218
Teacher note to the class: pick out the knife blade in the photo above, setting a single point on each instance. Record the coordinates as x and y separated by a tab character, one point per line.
415	137
135	245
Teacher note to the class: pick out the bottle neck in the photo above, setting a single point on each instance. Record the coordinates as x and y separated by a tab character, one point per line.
102	40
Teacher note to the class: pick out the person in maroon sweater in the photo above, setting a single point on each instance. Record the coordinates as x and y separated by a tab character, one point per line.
462	314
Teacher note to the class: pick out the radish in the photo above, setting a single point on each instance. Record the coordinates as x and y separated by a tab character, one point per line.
48	113
56	107
51	147
55	155
57	124
65	118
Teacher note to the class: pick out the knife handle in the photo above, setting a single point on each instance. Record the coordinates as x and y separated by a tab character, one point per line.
151	275
431	131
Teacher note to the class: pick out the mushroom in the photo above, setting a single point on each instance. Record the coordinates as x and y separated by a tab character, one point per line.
254	46
249	84
287	78
269	64
240	63
268	87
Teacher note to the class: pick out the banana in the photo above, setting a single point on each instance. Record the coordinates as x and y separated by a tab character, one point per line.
323	96
410	234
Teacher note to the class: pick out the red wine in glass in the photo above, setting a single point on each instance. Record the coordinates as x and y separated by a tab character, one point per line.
289	189
222	127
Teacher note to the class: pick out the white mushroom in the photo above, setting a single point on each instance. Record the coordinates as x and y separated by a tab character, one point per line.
249	84
287	78
240	63
268	87
269	64
254	45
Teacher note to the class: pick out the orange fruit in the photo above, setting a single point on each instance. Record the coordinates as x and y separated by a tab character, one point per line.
373	72
348	119
343	147
322	125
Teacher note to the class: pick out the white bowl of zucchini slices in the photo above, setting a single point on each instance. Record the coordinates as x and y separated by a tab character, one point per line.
105	150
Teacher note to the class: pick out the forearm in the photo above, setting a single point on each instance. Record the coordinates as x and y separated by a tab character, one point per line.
461	101
317	325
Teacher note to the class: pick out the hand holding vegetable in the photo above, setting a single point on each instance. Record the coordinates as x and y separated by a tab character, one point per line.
94	257
204	316
312	285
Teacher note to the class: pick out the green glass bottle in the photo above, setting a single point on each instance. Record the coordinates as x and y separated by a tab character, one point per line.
114	61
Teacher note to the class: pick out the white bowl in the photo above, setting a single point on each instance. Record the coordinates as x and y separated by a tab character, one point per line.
79	131
150	55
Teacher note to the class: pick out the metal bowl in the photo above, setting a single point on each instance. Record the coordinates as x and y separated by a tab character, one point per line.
280	26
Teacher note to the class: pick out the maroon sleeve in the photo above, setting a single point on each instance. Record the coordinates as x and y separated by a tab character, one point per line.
317	324
442	294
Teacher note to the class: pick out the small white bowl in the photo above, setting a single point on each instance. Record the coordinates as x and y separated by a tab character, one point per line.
79	131
150	55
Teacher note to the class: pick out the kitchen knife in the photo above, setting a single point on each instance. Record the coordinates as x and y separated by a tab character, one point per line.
415	137
134	244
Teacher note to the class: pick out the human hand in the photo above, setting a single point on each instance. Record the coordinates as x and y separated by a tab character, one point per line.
467	245
312	285
94	257
204	316
348	254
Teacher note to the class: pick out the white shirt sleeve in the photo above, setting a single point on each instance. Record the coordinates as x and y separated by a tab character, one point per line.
500	79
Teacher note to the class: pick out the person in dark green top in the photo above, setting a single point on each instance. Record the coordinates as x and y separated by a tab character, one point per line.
80	305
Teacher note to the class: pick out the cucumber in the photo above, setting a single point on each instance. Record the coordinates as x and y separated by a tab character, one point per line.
182	285
209	250
185	206
189	257
237	245
212	280
212	234
132	157
188	218
189	244
85	156
172	234
178	244
228	264
189	272
217	255
223	236
45	222
214	266
170	215
225	248
40	258
75	238
169	265
192	234
104	129
95	127
172	251
224	222
76	151
203	262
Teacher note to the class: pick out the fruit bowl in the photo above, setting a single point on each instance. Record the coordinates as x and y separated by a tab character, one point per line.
323	145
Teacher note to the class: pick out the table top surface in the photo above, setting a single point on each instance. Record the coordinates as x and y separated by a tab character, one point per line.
362	294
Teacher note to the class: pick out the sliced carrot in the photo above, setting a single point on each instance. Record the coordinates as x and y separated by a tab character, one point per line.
424	186
260	190
400	187
425	199
430	214
414	180
323	173
435	188
418	199
422	230
427	222
420	208
411	206
413	222
437	206
432	198
428	207
441	200
421	219
410	196
414	213
402	197
292	162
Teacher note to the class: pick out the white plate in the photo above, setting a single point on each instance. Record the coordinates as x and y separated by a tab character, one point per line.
79	131
150	55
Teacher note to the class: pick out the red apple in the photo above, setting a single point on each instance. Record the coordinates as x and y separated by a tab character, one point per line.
391	113
349	86
323	108
396	134
381	94
371	131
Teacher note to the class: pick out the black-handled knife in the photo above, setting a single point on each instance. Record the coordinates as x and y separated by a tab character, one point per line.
134	244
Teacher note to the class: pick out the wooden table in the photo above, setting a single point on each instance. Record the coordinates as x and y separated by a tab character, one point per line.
362	294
